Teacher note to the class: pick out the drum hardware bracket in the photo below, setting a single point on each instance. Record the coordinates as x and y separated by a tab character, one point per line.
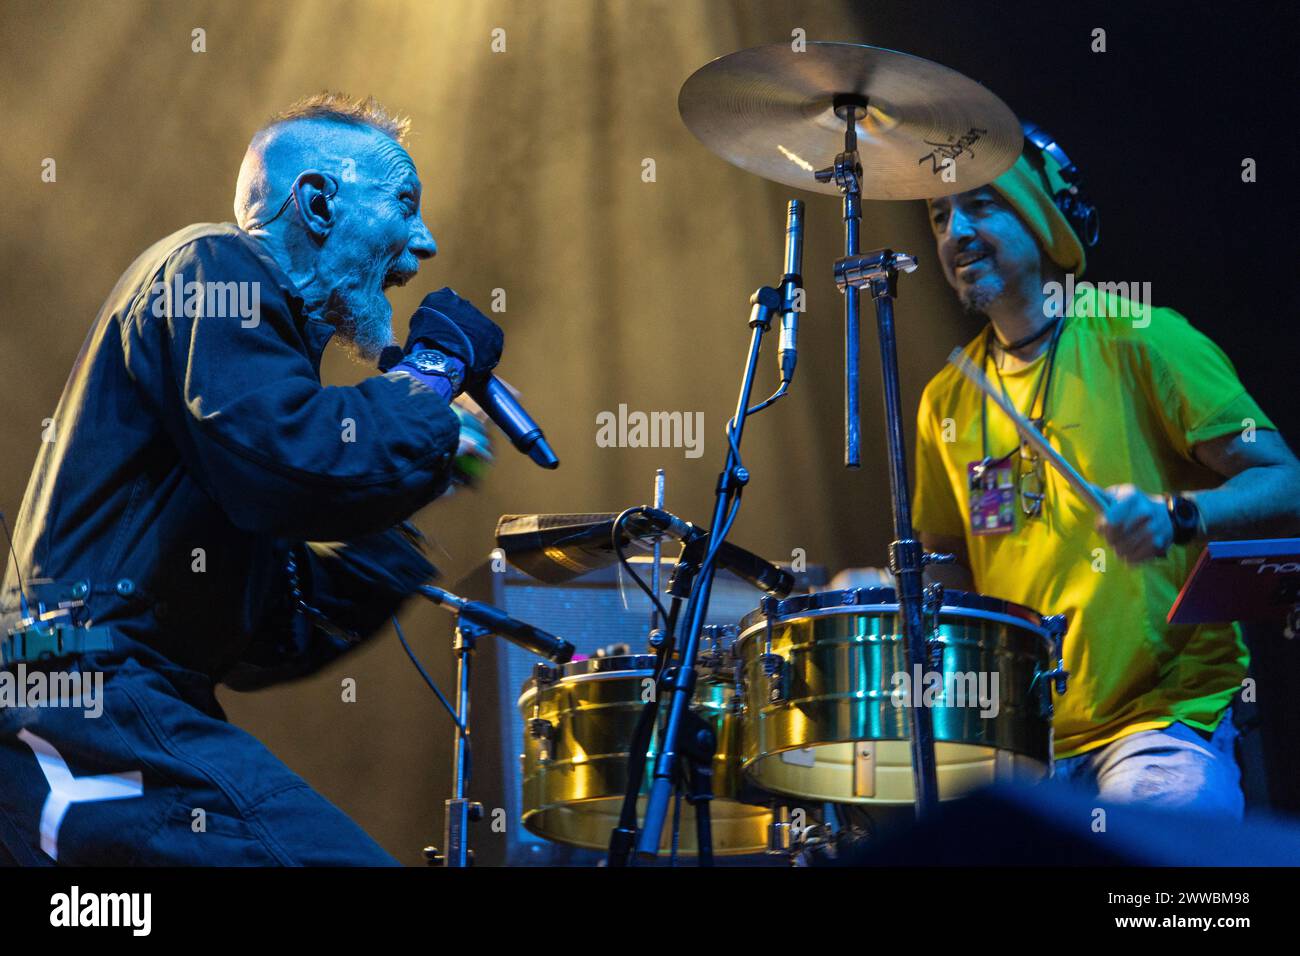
773	664
714	634
545	674
882	265
933	603
933	598
543	731
781	832
775	671
846	171
1058	677
539	728
463	812
786	839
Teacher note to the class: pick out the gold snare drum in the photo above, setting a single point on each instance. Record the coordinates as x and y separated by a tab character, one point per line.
827	695
578	725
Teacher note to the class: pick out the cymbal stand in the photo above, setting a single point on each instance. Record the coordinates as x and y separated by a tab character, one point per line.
878	271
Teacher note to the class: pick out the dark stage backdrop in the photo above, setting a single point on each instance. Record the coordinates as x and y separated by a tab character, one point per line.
618	290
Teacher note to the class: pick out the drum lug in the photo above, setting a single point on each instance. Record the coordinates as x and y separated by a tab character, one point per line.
543	731
931	603
1057	625
773	664
715	656
1043	684
545	674
774	669
1058	677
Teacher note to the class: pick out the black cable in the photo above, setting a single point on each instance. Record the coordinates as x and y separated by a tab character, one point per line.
714	546
429	680
755	409
627	565
22	588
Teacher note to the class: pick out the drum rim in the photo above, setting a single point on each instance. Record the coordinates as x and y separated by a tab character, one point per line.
885	600
960	614
614	667
530	688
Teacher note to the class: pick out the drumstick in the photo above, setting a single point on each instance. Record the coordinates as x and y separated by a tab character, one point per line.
1093	496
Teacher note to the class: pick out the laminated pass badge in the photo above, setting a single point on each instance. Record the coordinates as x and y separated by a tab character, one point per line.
992	495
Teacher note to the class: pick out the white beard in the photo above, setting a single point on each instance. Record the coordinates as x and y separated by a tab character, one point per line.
363	322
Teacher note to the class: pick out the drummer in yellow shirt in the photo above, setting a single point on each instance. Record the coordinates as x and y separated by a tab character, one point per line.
1142	404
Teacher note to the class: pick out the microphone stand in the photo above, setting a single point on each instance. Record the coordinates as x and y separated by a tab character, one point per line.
460	811
765	302
472	621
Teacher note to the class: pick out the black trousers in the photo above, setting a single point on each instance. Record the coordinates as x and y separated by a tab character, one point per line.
158	777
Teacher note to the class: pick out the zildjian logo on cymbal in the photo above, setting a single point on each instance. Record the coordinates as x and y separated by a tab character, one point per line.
951	150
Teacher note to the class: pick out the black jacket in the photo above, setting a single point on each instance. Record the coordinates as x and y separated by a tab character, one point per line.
192	455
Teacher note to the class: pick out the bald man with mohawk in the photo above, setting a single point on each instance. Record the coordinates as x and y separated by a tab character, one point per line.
209	512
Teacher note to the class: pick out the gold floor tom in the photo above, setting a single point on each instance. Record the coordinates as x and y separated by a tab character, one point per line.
828	695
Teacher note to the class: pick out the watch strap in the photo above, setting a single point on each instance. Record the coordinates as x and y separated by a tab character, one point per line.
444	373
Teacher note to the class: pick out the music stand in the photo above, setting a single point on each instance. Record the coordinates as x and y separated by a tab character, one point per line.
1241	581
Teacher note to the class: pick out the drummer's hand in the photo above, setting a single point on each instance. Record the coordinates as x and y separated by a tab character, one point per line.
1136	524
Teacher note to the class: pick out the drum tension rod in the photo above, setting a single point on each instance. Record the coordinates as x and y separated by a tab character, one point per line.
773	664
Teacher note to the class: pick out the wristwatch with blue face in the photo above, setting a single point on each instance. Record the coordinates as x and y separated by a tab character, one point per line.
433	362
1185	517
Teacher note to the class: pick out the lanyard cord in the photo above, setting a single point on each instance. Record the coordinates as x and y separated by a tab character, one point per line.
1043	384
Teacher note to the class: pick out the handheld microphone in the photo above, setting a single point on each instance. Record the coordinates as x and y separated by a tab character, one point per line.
500	405
503	408
791	288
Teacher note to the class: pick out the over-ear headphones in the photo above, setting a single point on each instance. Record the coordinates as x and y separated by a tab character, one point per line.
1078	210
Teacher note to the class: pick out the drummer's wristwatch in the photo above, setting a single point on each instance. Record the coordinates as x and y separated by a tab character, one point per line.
1185	517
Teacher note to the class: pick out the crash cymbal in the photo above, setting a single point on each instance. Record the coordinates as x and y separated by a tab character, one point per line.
769	110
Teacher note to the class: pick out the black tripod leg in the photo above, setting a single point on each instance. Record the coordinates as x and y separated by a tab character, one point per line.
623	837
699	782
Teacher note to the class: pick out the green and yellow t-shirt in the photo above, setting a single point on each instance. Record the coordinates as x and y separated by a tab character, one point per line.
1129	399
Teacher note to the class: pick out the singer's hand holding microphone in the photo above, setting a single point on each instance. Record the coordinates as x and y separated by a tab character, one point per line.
448	323
445	325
